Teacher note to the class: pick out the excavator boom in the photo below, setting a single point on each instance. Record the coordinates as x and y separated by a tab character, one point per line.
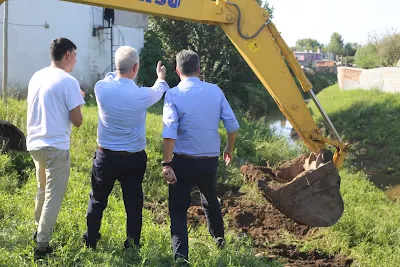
251	31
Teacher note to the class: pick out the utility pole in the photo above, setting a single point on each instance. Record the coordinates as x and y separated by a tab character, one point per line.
5	50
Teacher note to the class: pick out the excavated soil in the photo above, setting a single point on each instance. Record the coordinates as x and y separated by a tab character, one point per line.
262	222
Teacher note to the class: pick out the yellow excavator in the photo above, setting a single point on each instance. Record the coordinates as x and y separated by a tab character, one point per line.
306	189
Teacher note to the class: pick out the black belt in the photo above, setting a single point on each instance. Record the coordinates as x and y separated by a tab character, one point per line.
118	152
193	157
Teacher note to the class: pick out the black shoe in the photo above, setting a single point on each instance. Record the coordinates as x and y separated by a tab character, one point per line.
128	244
220	242
38	254
90	243
181	262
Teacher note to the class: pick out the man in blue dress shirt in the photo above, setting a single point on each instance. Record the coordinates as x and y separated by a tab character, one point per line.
121	138
191	116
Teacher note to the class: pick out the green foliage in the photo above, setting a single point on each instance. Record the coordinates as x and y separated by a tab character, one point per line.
308	44
368	120
320	81
368	231
367	57
149	56
221	63
350	49
18	188
336	44
380	51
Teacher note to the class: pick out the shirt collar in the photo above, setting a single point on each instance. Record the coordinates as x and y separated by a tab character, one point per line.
125	80
191	79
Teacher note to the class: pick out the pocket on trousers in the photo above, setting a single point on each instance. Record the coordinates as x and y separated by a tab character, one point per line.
63	156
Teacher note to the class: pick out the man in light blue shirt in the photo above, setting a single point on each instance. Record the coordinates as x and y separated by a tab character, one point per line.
121	138
191	116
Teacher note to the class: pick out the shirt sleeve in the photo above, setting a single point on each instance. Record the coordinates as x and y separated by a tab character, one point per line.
110	76
228	116
74	97
156	91
170	117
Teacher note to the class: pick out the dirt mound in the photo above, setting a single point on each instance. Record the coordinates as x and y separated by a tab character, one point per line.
262	222
293	257
265	224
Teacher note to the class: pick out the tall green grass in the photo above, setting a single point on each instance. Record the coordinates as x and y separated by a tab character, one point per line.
369	121
17	194
368	231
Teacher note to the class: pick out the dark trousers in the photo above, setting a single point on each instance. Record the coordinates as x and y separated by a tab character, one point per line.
191	172
128	169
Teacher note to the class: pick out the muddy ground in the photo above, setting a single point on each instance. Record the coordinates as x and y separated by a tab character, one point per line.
264	224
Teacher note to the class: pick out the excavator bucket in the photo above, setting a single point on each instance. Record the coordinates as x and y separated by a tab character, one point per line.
306	189
11	138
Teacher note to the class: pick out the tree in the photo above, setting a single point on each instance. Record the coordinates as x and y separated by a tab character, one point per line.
380	51
350	49
308	44
149	56
388	48
221	63
366	57
336	44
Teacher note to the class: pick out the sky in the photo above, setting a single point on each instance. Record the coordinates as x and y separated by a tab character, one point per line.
318	19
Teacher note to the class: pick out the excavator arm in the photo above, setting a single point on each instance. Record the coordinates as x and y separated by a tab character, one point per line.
252	32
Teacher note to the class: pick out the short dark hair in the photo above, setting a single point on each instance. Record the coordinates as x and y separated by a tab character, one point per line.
187	62
59	47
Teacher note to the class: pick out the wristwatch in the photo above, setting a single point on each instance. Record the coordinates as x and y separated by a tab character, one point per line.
164	164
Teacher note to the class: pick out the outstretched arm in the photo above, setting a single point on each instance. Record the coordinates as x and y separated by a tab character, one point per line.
160	86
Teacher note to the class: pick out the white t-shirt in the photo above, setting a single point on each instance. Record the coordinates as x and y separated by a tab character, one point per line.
52	93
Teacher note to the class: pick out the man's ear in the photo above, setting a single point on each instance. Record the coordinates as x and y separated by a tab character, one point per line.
136	68
177	72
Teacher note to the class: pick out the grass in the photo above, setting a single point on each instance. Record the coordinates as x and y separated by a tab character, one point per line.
18	188
369	121
368	230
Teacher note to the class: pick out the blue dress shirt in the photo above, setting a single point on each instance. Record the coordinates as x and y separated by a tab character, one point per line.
191	115
122	109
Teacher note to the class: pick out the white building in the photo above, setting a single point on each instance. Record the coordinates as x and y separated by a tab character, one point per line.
33	24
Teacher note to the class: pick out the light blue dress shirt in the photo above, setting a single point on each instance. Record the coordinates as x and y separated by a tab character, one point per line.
122	109
191	115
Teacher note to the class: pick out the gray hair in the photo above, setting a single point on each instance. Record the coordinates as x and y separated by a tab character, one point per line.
187	62
125	58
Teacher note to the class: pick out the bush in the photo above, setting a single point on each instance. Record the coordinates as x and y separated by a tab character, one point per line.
380	51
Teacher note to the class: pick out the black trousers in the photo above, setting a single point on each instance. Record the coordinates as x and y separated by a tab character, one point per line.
191	172
128	169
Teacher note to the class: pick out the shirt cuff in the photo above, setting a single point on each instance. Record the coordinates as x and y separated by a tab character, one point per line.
169	133
166	86
232	126
110	76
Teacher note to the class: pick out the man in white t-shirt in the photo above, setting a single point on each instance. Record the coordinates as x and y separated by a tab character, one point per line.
54	105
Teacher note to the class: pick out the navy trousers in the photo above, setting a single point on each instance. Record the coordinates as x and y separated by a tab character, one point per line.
192	172
128	169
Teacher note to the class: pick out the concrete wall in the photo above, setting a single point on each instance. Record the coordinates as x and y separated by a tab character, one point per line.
385	79
34	23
